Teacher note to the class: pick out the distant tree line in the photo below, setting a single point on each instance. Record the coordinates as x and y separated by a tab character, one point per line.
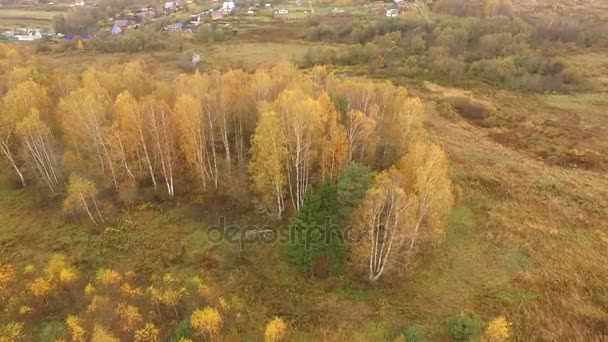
499	50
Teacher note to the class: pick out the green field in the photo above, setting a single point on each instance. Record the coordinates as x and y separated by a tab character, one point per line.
10	18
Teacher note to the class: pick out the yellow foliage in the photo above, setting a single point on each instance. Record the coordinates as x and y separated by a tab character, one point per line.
68	275
149	333
129	291
207	322
108	276
29	269
169	278
498	330
12	332
25	310
7	275
76	330
89	289
183	339
40	287
275	330
130	317
223	304
97	302
102	335
171	296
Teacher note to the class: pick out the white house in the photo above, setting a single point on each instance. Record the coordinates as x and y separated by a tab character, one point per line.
29	35
228	6
392	12
170	6
283	11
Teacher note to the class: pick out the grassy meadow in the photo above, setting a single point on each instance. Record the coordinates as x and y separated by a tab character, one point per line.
13	18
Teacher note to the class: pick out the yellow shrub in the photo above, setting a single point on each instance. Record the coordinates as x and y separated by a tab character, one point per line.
147	334
97	302
102	335
275	330
7	275
75	327
25	310
29	269
11	332
129	291
40	287
68	275
207	322
498	330
108	276
130	317
89	289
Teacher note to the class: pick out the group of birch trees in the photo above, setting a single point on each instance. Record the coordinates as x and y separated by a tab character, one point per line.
283	129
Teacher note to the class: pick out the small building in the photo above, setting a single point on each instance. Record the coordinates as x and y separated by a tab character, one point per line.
392	13
78	3
146	13
115	29
170	7
28	35
217	15
177	27
228	7
283	11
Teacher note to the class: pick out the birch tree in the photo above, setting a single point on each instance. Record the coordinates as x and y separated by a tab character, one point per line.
268	162
81	195
404	208
131	138
85	123
384	215
16	105
301	116
38	146
162	133
333	149
426	174
193	137
359	130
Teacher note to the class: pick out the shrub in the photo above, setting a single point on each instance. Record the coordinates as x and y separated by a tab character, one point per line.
321	33
469	109
413	334
498	330
53	331
275	330
183	330
207	323
463	328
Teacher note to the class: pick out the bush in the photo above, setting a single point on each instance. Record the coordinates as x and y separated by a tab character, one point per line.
413	334
52	331
468	108
463	328
321	33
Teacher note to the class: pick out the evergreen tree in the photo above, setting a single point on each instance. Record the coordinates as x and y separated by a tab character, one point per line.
315	237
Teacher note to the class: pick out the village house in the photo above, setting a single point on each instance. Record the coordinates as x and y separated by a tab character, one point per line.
392	13
120	25
170	7
228	7
177	27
